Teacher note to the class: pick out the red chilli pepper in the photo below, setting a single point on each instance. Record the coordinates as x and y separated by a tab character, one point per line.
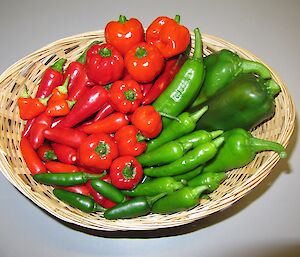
104	64
130	141
126	172
46	153
109	124
80	189
60	92
65	153
68	136
147	120
31	158
125	95
59	107
89	103
56	167
97	151
106	110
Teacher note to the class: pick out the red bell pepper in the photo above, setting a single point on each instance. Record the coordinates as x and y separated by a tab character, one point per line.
31	158
109	124
65	153
168	36
98	151
144	62
104	64
89	103
124	34
147	120
130	141
56	167
126	172
46	153
59	107
68	136
125	95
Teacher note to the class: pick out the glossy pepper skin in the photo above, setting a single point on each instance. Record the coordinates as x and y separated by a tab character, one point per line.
144	62
244	103
60	92
59	108
124	34
65	153
239	149
221	68
46	153
55	167
185	86
168	36
104	64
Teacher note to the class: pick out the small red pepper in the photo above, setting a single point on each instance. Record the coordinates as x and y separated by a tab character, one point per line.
125	95
144	62
65	153
109	124
98	151
104	64
147	120
60	92
46	153
168	36
106	110
126	172
56	167
59	107
31	158
124	34
130	141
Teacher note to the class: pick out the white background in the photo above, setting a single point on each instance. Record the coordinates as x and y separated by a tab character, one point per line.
264	223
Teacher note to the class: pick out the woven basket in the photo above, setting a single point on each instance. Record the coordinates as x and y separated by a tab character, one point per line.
28	71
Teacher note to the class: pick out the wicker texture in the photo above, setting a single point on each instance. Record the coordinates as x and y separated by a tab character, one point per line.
28	71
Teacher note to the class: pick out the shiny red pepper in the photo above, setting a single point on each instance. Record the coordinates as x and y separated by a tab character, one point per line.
130	141
65	153
60	92
106	110
104	64
168	36
46	153
59	107
98	151
125	172
55	167
80	189
125	95
147	120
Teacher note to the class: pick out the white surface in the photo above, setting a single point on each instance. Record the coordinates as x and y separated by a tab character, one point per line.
265	223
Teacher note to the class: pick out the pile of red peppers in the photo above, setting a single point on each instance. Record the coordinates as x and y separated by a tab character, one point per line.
94	114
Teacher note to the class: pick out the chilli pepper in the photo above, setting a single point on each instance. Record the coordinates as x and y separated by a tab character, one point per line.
98	151
59	107
65	153
189	175
124	34
184	124
65	178
185	86
144	62
147	120
180	200
89	103
145	88
104	64
191	160
106	110
46	153
67	136
56	167
155	186
60	92
210	179
125	172
170	37
162	82
109	124
31	158
239	149
244	103
136	207
130	141
125	95
80	189
221	68
79	201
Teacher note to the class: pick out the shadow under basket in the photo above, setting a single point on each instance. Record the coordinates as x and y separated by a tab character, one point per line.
28	71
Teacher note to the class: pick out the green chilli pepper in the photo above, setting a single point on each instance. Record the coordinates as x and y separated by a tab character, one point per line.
239	149
180	200
184	124
211	179
81	202
185	86
133	208
189	175
223	67
244	103
191	160
66	178
108	190
154	187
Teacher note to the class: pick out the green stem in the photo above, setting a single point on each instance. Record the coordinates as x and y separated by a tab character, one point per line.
197	191
71	103
272	87
45	100
197	115
129	172
58	65
105	52
216	133
122	19
152	199
82	57
260	145
140	52
63	89
255	67
177	18
102	149
218	141
25	93
198	45
140	137
163	114
130	95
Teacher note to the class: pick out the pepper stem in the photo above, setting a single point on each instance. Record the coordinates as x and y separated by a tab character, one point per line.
25	93
98	207
58	65
152	199
140	137
258	68
82	57
102	149
63	89
198	48
218	141
163	114
272	88
50	155
130	95
260	145
216	133
45	100
197	191
105	52
177	18
129	172
122	19
89	176
71	103
140	52
197	115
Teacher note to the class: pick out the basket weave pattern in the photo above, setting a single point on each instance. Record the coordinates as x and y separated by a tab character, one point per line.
28	71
